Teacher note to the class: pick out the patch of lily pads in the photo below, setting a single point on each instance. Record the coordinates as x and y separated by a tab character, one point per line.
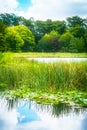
71	97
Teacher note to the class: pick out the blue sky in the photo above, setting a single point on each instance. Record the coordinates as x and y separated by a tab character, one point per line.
24	4
45	9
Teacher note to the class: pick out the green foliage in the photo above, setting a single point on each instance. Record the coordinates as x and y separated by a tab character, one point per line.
45	83
65	41
85	38
44	43
30	35
13	39
49	42
6	58
76	20
76	98
45	27
59	26
77	45
19	72
2	27
3	44
77	31
27	36
10	19
19	37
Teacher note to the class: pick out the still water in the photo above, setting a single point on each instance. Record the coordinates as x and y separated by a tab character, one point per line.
51	60
19	114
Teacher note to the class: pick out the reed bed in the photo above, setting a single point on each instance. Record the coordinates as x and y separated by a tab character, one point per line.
16	72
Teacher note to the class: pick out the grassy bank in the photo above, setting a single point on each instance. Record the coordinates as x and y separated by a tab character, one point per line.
28	78
55	54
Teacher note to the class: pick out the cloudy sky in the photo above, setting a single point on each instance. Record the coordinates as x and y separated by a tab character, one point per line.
45	9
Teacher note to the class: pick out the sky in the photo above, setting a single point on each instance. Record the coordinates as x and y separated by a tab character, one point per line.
45	9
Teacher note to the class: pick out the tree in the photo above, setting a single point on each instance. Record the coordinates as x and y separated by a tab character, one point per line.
2	27
76	20
44	43
11	19
85	38
77	45
49	42
77	26
27	36
13	40
45	27
19	37
65	41
59	26
54	35
30	23
77	31
3	45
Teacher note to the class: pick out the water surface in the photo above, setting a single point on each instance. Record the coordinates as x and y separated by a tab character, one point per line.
50	60
19	114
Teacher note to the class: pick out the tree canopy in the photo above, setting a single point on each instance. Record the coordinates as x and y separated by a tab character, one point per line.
19	38
20	34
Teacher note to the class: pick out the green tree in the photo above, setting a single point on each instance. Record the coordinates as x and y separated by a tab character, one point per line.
3	45
54	44
44	43
2	27
29	23
77	45
13	40
77	31
27	36
76	20
59	26
77	26
45	27
11	19
65	41
85	38
19	37
49	42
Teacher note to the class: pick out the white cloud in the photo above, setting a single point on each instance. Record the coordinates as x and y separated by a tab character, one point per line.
46	9
85	1
54	9
8	6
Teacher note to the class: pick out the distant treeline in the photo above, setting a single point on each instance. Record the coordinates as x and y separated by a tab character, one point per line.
19	34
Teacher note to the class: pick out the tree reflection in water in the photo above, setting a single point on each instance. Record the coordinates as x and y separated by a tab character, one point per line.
54	110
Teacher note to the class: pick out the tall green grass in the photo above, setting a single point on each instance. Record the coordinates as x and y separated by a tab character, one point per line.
18	72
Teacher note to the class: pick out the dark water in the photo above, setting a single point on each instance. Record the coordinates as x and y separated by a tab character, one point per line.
19	114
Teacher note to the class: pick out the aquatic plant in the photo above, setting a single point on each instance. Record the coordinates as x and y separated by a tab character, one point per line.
45	83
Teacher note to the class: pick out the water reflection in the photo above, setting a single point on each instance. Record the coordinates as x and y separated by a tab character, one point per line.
84	123
26	113
18	114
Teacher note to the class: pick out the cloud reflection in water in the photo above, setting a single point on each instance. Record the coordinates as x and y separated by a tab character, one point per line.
27	115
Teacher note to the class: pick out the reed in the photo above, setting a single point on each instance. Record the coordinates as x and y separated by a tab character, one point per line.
18	72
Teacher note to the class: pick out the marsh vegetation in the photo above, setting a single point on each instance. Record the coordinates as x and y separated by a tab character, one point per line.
46	83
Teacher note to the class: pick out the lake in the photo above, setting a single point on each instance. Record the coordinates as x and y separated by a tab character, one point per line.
50	60
23	114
